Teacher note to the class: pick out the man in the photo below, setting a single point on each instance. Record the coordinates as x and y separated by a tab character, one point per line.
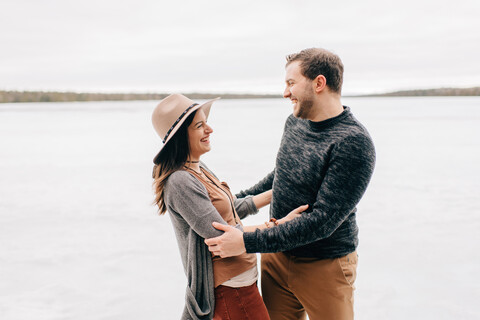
326	159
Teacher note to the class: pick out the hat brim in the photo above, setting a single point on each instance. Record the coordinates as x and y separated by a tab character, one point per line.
206	108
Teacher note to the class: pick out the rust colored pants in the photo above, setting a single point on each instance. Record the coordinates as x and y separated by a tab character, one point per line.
239	303
293	287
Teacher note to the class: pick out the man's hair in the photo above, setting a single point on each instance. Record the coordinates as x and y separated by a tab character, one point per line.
317	61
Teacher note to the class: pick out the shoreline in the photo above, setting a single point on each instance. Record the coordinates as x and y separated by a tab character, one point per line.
58	96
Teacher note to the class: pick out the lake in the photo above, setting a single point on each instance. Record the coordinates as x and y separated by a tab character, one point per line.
79	238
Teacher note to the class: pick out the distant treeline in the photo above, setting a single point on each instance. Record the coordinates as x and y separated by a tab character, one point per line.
475	91
52	96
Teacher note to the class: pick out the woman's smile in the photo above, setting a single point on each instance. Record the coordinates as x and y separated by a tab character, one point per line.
199	135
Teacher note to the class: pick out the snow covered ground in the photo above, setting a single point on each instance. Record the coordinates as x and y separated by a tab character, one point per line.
79	238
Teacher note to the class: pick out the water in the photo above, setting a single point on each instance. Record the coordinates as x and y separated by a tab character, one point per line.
79	238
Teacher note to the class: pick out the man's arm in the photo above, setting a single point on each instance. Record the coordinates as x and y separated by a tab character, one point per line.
349	172
263	185
235	245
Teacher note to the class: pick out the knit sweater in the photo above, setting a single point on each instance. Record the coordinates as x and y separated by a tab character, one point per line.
327	165
192	214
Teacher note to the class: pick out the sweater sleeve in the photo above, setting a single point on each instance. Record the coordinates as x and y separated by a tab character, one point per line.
188	197
346	179
263	185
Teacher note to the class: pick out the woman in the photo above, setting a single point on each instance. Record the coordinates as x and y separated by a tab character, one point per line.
195	198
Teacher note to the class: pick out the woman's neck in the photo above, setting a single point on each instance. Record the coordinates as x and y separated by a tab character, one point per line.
193	164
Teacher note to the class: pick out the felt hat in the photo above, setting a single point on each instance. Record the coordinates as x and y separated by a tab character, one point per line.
169	115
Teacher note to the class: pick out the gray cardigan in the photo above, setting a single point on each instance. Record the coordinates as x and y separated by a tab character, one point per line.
192	214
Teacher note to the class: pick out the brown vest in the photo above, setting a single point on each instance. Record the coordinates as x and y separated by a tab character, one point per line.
219	193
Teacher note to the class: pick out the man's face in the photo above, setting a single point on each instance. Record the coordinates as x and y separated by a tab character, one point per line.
299	90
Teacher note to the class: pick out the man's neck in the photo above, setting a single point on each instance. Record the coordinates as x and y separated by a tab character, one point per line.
326	108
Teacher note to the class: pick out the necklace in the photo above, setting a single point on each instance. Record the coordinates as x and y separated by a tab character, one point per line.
192	161
198	172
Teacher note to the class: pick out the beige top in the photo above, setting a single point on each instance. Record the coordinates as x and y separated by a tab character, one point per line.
245	279
222	199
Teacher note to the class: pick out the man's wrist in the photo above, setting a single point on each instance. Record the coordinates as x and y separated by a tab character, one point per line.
249	242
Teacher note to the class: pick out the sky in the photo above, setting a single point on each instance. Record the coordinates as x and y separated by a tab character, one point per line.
234	46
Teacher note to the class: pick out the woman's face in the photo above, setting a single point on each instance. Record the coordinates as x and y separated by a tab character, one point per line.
199	135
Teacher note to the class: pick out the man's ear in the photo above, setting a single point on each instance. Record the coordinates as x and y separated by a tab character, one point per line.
319	83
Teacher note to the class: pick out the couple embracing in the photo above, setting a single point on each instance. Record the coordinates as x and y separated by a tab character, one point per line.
323	166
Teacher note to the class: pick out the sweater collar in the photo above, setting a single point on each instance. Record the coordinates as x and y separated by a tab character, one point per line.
317	125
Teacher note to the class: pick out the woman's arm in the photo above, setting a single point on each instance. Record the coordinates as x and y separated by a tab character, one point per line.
250	204
262	199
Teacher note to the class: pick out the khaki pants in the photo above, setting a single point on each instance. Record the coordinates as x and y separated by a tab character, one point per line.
323	289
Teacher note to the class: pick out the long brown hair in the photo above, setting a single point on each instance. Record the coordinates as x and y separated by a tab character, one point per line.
172	158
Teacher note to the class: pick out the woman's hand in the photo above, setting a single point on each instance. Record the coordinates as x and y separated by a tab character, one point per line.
293	214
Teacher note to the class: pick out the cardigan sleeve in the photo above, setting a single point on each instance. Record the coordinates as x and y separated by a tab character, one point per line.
245	206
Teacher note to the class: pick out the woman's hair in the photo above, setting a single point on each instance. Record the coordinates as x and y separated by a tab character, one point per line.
172	158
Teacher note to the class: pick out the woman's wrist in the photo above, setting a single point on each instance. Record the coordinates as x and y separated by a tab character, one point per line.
271	223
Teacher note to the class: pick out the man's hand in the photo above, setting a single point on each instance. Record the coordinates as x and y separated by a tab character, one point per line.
293	214
228	244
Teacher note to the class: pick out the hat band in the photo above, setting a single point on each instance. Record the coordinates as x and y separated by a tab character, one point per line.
178	120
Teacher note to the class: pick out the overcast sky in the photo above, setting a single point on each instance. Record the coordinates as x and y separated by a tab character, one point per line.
234	46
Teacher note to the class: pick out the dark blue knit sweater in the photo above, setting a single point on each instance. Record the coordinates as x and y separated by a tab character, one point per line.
328	165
